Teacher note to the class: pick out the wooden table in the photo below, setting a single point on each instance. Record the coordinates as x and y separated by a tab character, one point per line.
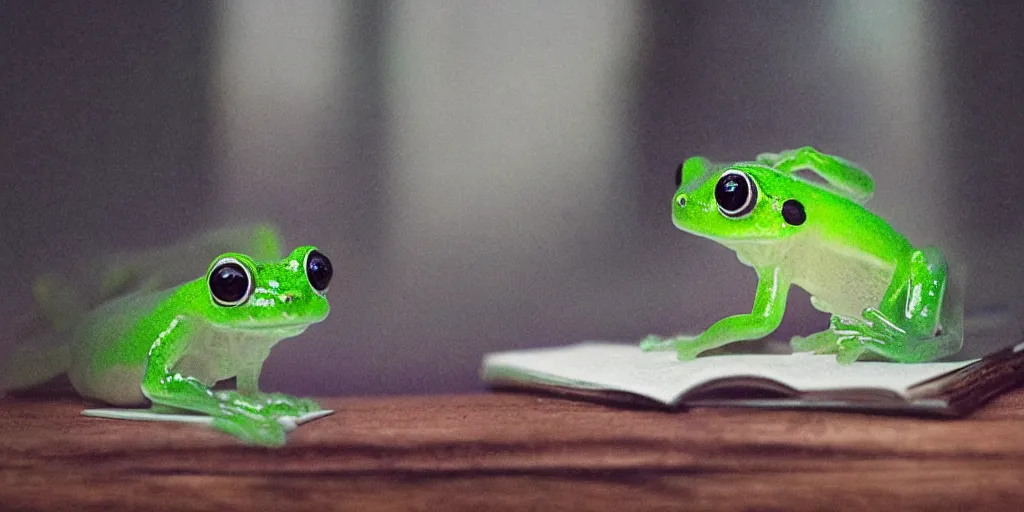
516	451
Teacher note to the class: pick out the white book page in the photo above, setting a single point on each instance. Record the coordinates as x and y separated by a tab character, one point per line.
662	377
288	422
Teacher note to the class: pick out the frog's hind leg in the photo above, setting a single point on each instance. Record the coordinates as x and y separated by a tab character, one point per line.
843	176
915	298
920	320
933	311
920	349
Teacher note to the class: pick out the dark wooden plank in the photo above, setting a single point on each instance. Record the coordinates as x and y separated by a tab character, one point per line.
510	451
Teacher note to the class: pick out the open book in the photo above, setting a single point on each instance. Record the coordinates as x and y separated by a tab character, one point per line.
622	372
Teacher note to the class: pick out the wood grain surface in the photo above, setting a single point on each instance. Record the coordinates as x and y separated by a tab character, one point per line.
516	452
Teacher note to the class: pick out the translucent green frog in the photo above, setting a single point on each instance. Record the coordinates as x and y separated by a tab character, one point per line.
888	300
139	340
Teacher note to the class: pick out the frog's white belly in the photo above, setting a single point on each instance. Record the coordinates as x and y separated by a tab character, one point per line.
841	283
213	355
218	354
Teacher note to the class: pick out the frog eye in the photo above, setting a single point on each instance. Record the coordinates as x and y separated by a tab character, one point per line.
230	282
735	194
318	270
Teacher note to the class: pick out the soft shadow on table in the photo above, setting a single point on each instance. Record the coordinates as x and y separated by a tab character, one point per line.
56	388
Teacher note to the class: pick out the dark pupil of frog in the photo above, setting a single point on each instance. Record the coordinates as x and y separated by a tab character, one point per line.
319	270
793	212
731	193
228	283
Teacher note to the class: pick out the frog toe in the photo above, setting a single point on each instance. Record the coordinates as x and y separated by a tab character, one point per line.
303	406
850	349
688	351
823	342
655	343
882	325
278	405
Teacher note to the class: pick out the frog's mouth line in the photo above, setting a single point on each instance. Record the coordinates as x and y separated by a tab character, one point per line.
269	327
290	327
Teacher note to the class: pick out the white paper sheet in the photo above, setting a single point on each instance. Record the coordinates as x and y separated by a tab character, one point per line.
662	377
289	423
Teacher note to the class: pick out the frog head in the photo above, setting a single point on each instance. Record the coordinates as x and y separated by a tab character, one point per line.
738	202
285	295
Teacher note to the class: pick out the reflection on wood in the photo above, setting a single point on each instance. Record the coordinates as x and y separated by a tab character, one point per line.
515	451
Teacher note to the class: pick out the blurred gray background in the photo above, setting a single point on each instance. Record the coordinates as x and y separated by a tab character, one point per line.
490	175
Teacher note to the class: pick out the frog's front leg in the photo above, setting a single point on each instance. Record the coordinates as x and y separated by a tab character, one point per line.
764	318
275	404
231	412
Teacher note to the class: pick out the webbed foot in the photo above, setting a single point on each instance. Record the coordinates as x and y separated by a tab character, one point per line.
272	405
859	339
874	337
849	339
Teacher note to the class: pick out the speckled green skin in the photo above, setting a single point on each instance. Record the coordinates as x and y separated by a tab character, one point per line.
169	346
888	300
